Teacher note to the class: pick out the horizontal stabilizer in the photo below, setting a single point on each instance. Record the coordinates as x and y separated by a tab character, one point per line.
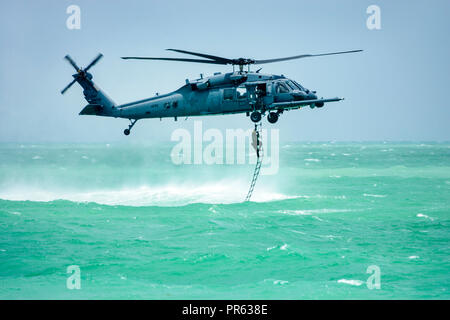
92	109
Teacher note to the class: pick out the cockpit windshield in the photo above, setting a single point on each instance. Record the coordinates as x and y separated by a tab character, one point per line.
291	85
298	86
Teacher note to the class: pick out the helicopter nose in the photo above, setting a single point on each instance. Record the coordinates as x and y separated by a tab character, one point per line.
311	96
300	95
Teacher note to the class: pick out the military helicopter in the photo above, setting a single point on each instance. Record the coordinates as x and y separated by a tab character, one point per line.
240	91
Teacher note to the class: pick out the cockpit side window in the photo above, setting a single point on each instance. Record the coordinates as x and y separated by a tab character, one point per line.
281	88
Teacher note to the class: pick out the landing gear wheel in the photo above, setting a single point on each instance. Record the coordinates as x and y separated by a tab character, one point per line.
272	117
319	104
255	116
132	123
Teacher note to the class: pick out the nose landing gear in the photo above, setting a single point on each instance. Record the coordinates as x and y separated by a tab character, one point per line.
319	104
131	125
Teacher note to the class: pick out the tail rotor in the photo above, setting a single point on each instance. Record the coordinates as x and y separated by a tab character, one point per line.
81	73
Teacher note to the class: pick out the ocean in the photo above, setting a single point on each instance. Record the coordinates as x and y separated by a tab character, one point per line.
338	221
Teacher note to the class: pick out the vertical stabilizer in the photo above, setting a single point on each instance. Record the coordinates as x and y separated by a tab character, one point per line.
99	102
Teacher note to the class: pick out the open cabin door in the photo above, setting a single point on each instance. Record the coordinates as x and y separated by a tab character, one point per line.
259	94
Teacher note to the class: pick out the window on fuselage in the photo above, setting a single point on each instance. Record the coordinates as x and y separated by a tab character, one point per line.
175	104
228	94
282	88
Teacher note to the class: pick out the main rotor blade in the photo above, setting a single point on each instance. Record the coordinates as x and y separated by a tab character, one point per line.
68	86
303	56
177	59
68	58
208	56
94	61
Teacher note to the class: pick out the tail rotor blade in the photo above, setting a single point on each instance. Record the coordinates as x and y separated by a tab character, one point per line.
93	62
68	58
68	86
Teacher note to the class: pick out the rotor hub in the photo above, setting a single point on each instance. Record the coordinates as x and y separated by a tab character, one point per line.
242	61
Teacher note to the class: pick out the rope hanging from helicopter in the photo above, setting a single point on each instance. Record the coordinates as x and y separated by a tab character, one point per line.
257	144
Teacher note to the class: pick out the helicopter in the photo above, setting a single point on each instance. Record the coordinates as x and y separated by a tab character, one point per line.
240	91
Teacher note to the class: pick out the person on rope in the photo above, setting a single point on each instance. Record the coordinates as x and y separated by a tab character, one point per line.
256	141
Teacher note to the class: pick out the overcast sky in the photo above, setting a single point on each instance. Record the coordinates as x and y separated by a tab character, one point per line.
397	89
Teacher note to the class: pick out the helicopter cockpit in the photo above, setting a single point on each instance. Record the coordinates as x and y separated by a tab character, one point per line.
287	86
286	90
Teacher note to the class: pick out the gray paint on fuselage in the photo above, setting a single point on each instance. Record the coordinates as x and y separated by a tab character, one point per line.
191	102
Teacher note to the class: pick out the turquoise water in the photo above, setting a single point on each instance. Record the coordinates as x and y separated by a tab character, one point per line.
139	226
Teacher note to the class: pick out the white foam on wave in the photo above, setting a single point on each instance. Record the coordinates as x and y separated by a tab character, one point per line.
312	211
374	195
281	282
351	282
421	215
225	192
